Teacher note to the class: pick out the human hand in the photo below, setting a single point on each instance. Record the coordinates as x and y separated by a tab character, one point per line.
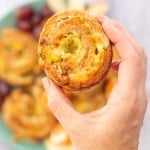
117	125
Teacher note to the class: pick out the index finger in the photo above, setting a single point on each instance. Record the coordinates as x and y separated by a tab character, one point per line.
133	61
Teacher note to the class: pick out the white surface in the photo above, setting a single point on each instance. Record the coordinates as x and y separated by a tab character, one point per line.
134	14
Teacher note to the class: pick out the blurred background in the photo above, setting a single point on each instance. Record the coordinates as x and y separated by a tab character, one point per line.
23	116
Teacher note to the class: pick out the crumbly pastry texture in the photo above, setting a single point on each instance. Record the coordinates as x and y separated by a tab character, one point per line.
18	57
26	113
74	50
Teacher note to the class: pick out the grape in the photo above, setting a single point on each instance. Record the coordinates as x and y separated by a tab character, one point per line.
24	25
36	19
5	89
36	31
25	12
46	12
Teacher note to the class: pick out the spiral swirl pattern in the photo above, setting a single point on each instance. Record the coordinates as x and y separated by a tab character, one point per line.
27	114
18	57
74	50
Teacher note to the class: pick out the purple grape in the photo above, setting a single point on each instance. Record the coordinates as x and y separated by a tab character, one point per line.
46	12
36	31
25	12
24	25
36	19
5	89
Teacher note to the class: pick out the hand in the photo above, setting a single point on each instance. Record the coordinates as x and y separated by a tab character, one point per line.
117	125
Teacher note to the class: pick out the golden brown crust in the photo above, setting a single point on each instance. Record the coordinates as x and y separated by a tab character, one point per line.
74	50
26	113
18	57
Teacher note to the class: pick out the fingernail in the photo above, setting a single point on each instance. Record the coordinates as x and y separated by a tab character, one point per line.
46	84
107	25
100	20
101	17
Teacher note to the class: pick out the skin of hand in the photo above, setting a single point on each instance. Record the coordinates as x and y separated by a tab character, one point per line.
117	125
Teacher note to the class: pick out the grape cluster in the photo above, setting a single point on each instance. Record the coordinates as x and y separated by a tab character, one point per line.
31	21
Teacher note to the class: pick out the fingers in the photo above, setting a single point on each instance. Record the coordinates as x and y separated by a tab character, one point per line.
132	67
118	38
132	64
102	19
59	105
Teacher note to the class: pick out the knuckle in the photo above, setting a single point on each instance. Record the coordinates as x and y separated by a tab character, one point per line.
135	108
145	102
145	56
139	111
139	57
53	105
138	106
79	125
141	52
118	24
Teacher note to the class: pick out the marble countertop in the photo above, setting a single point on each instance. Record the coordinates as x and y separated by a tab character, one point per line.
134	15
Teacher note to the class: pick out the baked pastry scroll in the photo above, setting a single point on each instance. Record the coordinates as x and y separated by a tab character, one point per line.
26	113
18	57
74	50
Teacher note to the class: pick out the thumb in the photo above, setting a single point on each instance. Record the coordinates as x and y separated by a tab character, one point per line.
60	105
